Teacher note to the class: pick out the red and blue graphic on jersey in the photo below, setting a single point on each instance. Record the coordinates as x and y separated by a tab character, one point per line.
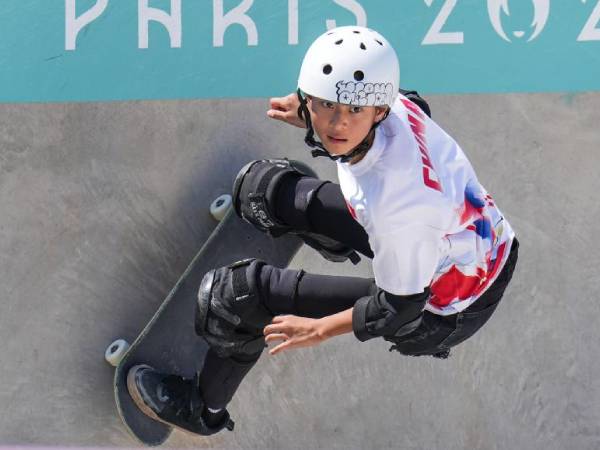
478	266
473	212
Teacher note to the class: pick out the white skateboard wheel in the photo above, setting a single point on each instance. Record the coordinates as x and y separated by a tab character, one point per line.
219	208
115	352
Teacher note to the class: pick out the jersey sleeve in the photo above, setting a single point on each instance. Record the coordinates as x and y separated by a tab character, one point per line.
406	259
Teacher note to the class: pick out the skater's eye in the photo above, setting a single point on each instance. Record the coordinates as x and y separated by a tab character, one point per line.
356	109
327	104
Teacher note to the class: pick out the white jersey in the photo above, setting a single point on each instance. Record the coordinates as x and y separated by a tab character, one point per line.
429	221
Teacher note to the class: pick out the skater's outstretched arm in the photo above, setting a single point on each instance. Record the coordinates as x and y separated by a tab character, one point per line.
382	314
296	332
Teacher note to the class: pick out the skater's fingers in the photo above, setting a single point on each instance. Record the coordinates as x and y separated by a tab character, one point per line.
279	319
279	324
280	348
277	115
288	102
289	117
278	103
285	109
282	106
277	337
270	329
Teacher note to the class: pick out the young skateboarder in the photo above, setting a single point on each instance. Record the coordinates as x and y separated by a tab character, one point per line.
408	198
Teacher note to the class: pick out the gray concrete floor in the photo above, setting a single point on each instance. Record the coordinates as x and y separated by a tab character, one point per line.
102	206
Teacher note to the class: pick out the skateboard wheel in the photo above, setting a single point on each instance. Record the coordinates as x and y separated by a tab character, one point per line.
219	208
115	352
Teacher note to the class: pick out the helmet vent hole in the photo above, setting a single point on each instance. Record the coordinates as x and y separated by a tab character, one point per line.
359	75
379	42
327	69
356	32
363	46
339	42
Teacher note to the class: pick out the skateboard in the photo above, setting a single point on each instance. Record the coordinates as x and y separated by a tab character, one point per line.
168	342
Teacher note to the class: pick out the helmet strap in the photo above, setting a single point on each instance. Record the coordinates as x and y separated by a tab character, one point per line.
309	139
318	149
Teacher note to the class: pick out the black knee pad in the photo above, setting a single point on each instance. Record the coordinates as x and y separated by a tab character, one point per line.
230	313
255	192
255	195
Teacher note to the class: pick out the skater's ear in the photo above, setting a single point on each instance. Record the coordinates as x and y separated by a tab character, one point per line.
380	113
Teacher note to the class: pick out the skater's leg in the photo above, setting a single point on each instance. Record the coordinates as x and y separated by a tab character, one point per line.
327	214
280	291
277	197
288	291
220	379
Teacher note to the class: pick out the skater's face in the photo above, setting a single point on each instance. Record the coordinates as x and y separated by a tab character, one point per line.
342	127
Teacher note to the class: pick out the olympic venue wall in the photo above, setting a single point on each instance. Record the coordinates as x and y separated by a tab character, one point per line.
110	154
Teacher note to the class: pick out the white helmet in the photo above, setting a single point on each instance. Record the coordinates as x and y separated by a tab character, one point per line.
351	65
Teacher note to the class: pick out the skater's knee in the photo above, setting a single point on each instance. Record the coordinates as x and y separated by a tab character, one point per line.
230	311
275	195
261	185
232	293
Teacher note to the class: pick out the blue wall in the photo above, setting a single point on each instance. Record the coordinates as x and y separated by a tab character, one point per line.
445	46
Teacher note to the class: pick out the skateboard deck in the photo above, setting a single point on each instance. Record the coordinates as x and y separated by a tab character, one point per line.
169	343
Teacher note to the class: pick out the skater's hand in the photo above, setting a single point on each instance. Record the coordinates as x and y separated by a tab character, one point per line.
294	331
286	110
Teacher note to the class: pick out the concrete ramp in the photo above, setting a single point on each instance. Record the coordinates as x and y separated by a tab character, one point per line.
102	206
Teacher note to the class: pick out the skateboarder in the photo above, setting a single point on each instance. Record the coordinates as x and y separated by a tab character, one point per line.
408	198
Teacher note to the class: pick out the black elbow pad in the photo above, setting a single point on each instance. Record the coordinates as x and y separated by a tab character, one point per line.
385	314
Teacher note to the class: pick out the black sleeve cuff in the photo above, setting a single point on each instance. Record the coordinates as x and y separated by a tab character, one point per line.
359	319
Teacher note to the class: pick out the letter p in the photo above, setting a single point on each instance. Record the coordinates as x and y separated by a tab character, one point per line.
74	24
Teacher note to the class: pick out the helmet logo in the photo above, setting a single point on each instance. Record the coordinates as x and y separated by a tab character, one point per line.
364	94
